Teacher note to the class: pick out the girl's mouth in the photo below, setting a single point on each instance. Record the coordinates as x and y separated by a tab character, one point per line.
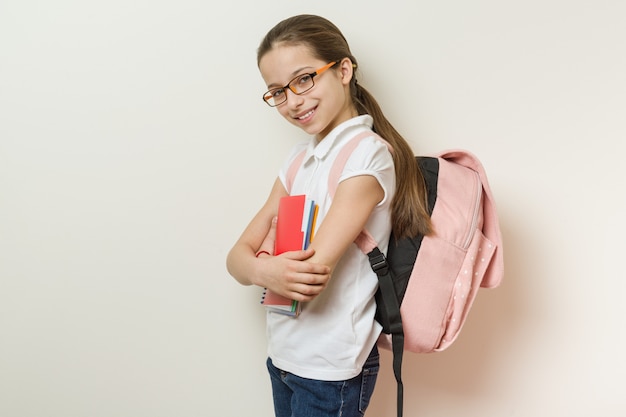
306	115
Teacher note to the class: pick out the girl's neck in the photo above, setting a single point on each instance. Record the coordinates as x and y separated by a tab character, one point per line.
321	136
350	115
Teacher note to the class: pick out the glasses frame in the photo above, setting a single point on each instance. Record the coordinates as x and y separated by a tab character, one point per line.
268	96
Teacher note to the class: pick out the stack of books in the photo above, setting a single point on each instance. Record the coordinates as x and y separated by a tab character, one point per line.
294	231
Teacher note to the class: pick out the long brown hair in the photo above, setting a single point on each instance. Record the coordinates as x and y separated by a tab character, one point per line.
409	208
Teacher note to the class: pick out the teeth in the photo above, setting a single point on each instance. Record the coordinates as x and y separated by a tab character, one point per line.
305	115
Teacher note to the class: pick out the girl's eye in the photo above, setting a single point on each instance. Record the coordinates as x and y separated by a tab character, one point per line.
279	92
304	79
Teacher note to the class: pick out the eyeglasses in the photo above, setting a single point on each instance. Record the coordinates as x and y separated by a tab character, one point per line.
299	85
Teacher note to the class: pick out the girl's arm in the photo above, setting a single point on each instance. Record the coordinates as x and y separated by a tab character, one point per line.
288	274
354	201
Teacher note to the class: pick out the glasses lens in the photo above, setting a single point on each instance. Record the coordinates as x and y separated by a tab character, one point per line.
275	97
298	85
301	84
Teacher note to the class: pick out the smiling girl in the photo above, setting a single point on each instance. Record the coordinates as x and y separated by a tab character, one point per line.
325	362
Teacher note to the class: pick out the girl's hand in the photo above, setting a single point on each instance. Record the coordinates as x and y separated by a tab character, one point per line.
289	274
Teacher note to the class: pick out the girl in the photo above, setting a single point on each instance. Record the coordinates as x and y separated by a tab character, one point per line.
325	362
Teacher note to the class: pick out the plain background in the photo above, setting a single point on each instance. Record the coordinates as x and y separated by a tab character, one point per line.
134	148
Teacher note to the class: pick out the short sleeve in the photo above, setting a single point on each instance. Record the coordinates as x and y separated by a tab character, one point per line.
372	157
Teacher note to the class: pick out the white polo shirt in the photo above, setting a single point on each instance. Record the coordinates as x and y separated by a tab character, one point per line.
335	333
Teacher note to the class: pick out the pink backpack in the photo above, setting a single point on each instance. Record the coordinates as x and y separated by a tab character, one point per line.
427	284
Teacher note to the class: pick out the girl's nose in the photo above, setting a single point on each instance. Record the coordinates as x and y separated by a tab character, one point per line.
293	99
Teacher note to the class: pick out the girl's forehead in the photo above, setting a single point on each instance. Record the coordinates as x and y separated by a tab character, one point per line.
284	61
290	50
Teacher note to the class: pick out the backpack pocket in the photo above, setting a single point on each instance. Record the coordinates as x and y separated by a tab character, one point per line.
475	262
432	322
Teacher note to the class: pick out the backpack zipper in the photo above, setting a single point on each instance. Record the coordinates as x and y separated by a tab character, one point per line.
479	191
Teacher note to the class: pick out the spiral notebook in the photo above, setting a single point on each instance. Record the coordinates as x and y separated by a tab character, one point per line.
294	231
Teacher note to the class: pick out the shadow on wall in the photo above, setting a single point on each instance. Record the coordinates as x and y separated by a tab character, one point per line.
468	369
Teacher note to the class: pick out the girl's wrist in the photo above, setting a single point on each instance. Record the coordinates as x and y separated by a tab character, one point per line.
257	278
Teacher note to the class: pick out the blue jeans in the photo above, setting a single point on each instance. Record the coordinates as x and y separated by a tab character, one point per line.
300	397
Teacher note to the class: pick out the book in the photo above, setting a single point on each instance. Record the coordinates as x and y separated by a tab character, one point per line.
295	227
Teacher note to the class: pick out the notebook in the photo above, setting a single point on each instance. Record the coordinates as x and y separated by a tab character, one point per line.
294	231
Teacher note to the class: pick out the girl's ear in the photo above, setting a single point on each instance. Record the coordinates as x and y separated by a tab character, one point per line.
347	70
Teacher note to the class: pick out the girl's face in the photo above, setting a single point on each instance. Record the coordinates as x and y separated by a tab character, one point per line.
323	107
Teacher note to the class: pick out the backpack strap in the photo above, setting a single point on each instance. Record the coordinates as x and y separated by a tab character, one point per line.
293	170
389	316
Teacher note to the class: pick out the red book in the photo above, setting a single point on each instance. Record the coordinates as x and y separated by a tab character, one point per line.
294	230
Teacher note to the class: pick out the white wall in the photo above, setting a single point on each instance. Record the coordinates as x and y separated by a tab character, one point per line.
134	148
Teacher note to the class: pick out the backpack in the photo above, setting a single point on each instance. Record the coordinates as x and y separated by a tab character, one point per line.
427	284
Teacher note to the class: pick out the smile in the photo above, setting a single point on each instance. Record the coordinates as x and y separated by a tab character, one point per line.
306	115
